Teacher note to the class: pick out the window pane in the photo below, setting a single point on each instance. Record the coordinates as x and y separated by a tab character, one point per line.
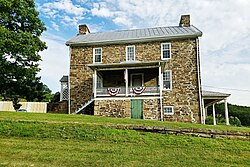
165	46
166	85
166	54
97	58
168	110
130	53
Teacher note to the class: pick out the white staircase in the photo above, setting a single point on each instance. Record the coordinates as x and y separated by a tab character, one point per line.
83	106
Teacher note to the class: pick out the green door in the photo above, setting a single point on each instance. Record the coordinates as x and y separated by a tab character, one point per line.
136	108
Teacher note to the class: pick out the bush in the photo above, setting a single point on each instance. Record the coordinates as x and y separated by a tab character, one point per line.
234	121
209	120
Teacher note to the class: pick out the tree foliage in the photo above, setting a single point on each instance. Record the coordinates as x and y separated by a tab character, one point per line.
20	29
237	112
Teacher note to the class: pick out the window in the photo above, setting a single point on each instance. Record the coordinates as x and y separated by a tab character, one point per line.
167	80
165	51
99	81
168	110
97	55
130	53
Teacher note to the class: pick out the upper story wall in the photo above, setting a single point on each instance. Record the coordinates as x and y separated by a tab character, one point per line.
148	51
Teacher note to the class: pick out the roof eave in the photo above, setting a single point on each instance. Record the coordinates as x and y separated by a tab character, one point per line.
135	40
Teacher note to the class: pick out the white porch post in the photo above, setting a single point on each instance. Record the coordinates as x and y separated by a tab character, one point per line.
204	114
214	115
94	84
160	88
126	83
226	112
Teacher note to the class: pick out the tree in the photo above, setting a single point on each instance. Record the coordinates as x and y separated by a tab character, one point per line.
20	29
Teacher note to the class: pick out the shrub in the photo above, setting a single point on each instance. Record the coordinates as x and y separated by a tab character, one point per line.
234	121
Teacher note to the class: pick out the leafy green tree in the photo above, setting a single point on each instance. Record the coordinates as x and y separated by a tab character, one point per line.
20	29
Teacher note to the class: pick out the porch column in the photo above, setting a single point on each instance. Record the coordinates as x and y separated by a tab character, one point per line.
160	89
214	115
226	111
126	81
94	84
204	114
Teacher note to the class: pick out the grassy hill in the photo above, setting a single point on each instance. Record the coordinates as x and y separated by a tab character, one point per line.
28	139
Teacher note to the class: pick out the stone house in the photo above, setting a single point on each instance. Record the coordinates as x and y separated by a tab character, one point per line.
150	73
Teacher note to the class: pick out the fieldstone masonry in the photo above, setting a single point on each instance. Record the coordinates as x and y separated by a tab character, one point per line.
184	96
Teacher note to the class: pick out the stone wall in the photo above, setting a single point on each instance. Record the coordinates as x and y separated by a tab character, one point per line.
112	108
183	96
151	109
58	107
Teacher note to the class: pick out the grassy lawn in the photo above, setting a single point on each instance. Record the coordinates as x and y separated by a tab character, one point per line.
55	140
87	119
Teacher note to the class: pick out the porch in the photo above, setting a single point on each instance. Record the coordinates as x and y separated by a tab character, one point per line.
130	79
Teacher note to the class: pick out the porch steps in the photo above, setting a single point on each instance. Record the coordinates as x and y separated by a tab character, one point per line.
83	106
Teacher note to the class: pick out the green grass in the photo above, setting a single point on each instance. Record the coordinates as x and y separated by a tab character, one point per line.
87	119
75	140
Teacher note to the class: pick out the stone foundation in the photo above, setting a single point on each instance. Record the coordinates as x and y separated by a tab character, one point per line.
112	108
151	109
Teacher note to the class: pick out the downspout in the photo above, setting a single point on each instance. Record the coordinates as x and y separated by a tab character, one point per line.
69	81
199	79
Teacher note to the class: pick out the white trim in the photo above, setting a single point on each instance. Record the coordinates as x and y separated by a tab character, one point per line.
171	80
214	119
170	56
94	54
226	112
127	52
160	85
95	79
126	84
127	98
142	78
172	108
69	81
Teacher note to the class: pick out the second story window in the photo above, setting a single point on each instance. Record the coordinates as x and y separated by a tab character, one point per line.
165	51
167	80
130	53
97	55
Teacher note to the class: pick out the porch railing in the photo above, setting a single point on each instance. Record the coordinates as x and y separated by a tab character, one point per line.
132	91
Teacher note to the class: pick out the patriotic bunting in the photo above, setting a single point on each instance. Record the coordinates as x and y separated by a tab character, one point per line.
113	91
138	90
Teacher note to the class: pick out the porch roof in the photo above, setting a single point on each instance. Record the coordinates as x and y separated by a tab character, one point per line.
125	65
210	97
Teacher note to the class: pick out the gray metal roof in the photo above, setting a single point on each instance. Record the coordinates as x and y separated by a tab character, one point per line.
136	35
64	78
214	94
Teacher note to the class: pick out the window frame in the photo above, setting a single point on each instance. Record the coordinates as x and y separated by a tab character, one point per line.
167	43
94	55
171	80
127	52
172	108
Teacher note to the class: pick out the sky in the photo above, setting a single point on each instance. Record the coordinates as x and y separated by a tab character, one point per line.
224	46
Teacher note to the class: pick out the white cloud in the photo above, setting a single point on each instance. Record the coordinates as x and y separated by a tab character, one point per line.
67	6
63	11
55	26
55	62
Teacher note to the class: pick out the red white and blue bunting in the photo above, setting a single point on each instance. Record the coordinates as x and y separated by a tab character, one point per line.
113	91
138	90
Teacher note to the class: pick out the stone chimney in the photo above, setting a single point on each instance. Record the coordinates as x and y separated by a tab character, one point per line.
185	21
83	29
